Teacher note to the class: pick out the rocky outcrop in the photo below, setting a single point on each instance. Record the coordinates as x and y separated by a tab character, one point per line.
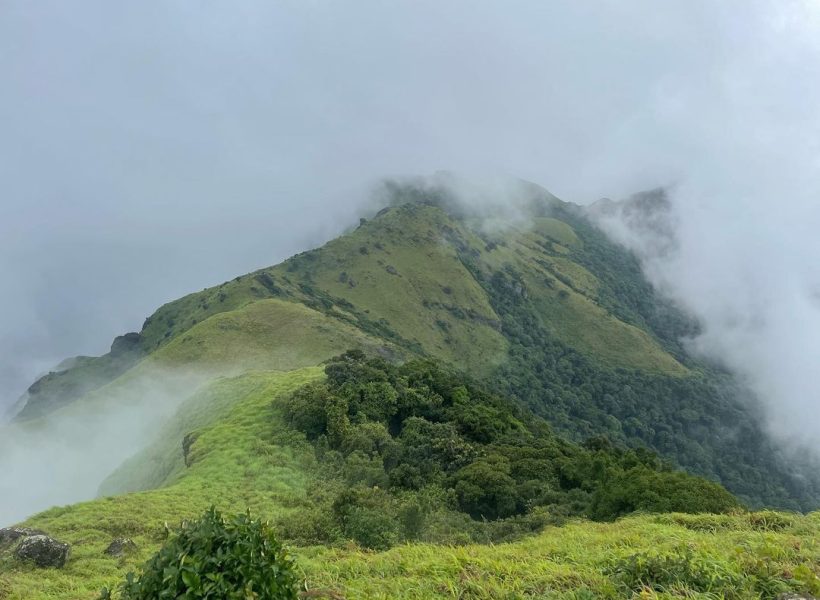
11	535
121	547
130	343
187	442
43	551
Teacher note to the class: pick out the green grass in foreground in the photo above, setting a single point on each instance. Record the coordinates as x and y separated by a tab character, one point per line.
668	556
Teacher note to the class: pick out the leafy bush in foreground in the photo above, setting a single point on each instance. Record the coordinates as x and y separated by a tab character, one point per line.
215	558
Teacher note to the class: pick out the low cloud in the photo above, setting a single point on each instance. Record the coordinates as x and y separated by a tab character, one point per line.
65	456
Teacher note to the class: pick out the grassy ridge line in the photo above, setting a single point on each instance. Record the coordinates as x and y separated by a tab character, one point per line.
113	422
268	334
402	270
241	459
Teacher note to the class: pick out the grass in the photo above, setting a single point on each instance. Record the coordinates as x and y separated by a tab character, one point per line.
401	269
244	456
240	460
734	559
267	334
565	297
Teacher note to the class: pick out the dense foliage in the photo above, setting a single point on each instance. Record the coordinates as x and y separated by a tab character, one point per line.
412	439
214	557
697	421
704	421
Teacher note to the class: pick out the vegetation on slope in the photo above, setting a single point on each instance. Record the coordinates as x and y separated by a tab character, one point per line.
214	557
245	455
546	309
243	458
413	447
741	557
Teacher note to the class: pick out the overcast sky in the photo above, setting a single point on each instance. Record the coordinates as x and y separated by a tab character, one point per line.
149	149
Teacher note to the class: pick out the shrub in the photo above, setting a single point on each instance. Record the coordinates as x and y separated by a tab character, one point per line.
368	516
652	491
214	557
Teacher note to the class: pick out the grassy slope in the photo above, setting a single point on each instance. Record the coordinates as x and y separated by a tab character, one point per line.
268	334
403	270
400	277
244	457
236	464
565	295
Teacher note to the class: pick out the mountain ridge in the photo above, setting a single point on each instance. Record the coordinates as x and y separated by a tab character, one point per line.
546	306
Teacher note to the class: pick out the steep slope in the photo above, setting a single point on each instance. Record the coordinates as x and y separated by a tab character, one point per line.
63	455
402	276
77	376
544	306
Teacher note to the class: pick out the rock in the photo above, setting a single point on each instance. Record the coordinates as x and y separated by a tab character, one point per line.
130	343
795	596
187	442
12	534
43	551
121	546
391	269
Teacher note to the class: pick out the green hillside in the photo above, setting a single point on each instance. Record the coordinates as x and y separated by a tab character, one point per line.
546	309
242	453
503	382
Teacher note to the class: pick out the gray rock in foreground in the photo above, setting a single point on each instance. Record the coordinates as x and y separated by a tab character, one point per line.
9	535
43	551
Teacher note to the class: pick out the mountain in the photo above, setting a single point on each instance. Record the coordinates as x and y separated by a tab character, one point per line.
536	357
546	308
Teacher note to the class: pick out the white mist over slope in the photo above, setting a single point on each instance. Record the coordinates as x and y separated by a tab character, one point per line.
751	273
63	458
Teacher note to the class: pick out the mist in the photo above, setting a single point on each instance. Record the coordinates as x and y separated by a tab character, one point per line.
147	151
64	457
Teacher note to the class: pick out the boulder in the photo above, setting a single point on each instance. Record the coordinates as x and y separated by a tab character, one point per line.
43	551
11	535
120	546
794	596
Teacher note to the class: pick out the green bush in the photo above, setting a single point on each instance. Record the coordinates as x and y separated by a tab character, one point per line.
368	516
640	489
214	557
